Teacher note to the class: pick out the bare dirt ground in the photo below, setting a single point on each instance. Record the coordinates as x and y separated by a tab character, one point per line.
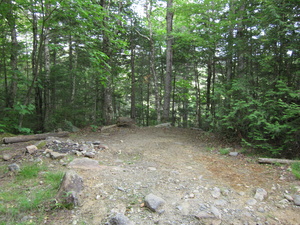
183	167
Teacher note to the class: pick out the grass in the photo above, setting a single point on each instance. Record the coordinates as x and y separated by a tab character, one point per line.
296	169
224	151
28	193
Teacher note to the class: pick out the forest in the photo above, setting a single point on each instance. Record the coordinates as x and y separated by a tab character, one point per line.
226	66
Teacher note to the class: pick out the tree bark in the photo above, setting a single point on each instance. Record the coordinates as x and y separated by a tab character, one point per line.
169	62
25	138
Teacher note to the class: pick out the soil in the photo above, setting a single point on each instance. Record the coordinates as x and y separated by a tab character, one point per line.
185	168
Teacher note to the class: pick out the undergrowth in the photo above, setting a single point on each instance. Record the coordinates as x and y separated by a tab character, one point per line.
25	198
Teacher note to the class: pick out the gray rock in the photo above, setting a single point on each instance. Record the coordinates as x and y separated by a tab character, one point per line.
296	199
204	215
260	194
216	192
220	202
251	201
57	155
154	202
120	219
89	154
6	157
31	149
216	212
14	167
71	186
96	142
233	154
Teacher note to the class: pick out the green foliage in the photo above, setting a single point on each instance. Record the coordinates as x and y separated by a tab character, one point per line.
296	169
224	151
23	195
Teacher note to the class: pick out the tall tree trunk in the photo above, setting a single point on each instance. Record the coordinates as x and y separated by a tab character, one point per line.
133	81
169	61
47	71
12	91
198	97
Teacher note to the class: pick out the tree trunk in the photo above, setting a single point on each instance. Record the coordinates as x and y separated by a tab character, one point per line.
133	81
169	61
274	161
25	138
12	91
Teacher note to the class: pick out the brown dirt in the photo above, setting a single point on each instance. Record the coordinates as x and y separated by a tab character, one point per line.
182	166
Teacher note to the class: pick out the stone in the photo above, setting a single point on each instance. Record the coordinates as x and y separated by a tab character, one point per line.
216	212
14	167
251	201
154	202
220	202
216	192
57	155
6	157
288	197
84	163
260	194
120	219
71	186
31	149
204	215
233	154
296	199
89	154
125	121
101	147
96	142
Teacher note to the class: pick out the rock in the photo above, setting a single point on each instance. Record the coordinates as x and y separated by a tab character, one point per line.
101	147
251	201
90	155
296	199
216	192
84	163
154	202
216	212
261	210
120	219
220	202
14	167
125	121
260	194
71	186
204	215
96	142
288	197
31	149
233	154
6	157
57	155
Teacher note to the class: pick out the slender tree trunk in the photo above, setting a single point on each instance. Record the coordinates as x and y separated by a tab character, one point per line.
169	61
133	82
12	91
198	97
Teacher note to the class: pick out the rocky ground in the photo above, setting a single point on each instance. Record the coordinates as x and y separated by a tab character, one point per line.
173	176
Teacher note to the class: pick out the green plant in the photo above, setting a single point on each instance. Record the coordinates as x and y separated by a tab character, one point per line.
41	145
296	169
224	151
30	171
94	128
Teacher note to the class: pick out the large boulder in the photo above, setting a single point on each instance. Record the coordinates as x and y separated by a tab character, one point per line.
68	193
125	122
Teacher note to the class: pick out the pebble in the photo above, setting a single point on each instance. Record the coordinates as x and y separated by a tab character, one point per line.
216	212
13	167
260	194
6	157
233	154
216	192
251	201
154	202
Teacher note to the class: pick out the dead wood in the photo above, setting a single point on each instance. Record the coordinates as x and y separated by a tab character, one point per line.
273	161
24	138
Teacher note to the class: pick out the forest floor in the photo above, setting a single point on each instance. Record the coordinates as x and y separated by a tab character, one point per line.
185	168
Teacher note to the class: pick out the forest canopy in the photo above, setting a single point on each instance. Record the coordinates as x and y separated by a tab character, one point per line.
226	66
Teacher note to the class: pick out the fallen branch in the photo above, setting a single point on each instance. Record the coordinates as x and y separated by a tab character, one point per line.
24	138
273	161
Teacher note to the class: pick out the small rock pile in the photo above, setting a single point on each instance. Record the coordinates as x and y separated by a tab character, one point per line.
57	149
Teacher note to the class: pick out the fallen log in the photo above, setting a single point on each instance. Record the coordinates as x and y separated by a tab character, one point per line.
273	161
108	127
24	138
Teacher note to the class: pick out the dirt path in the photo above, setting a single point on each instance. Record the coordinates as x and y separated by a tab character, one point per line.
176	165
185	169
